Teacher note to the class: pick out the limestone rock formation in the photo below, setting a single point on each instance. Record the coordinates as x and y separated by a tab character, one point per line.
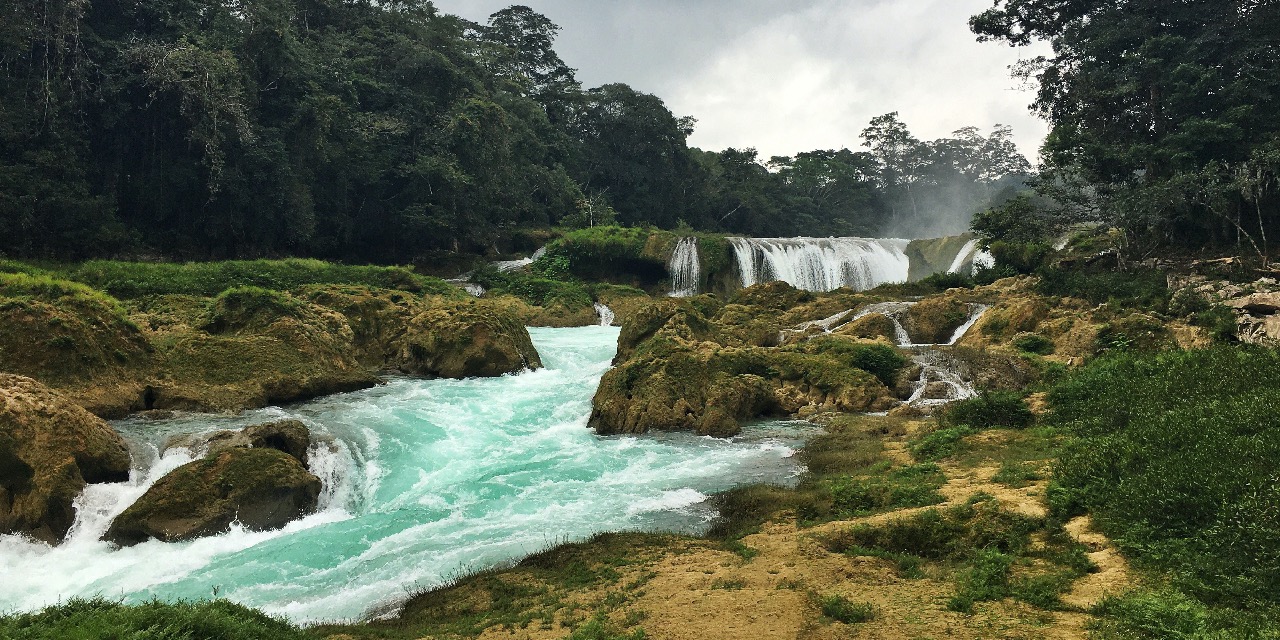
934	320
261	488
289	436
49	449
460	339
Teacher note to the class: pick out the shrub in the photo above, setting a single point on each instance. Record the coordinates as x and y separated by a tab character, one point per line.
1139	289
913	486
842	609
941	443
989	409
207	279
1033	343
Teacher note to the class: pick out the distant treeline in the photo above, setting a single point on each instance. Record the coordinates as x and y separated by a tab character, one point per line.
378	131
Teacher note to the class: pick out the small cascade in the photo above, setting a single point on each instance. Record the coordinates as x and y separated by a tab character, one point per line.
942	378
822	264
685	269
605	314
512	265
468	286
983	260
966	255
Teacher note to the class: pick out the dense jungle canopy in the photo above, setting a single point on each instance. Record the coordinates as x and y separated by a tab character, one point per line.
376	131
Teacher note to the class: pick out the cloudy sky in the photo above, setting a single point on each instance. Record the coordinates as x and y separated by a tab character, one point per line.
785	76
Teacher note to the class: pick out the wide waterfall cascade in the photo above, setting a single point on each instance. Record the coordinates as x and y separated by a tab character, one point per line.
684	268
423	480
822	264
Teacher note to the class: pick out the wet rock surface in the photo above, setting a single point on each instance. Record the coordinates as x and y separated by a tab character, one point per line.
261	488
49	449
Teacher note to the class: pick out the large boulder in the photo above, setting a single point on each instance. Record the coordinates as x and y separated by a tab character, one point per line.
253	347
679	371
289	436
73	339
461	339
261	488
49	449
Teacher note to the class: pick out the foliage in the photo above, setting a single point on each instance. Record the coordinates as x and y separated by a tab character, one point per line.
384	132
1140	289
1174	453
940	443
101	618
1033	343
911	486
989	409
534	289
841	609
1160	114
880	360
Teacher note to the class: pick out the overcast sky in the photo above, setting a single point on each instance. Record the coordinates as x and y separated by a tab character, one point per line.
786	76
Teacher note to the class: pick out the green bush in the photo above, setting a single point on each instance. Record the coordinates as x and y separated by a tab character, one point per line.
842	609
880	360
1004	409
913	486
986	578
101	618
1033	343
941	443
1175	454
534	289
1140	289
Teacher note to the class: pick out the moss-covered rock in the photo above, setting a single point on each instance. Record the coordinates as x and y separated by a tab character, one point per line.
49	449
72	338
288	436
935	255
254	347
935	320
455	339
677	369
261	488
871	326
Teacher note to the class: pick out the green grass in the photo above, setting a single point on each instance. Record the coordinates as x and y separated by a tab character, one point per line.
903	487
127	280
101	618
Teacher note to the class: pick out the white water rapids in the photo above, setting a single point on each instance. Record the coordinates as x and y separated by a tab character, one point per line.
423	480
822	264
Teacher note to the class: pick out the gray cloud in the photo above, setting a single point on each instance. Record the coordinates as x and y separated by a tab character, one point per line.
785	77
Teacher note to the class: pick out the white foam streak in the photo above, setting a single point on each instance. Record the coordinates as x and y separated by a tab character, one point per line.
966	255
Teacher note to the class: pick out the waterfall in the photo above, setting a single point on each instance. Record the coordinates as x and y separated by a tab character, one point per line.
966	255
512	265
605	314
684	268
822	264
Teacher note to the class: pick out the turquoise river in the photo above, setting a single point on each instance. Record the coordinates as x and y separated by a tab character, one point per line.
424	481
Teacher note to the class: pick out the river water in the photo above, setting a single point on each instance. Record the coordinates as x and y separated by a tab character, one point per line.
424	480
